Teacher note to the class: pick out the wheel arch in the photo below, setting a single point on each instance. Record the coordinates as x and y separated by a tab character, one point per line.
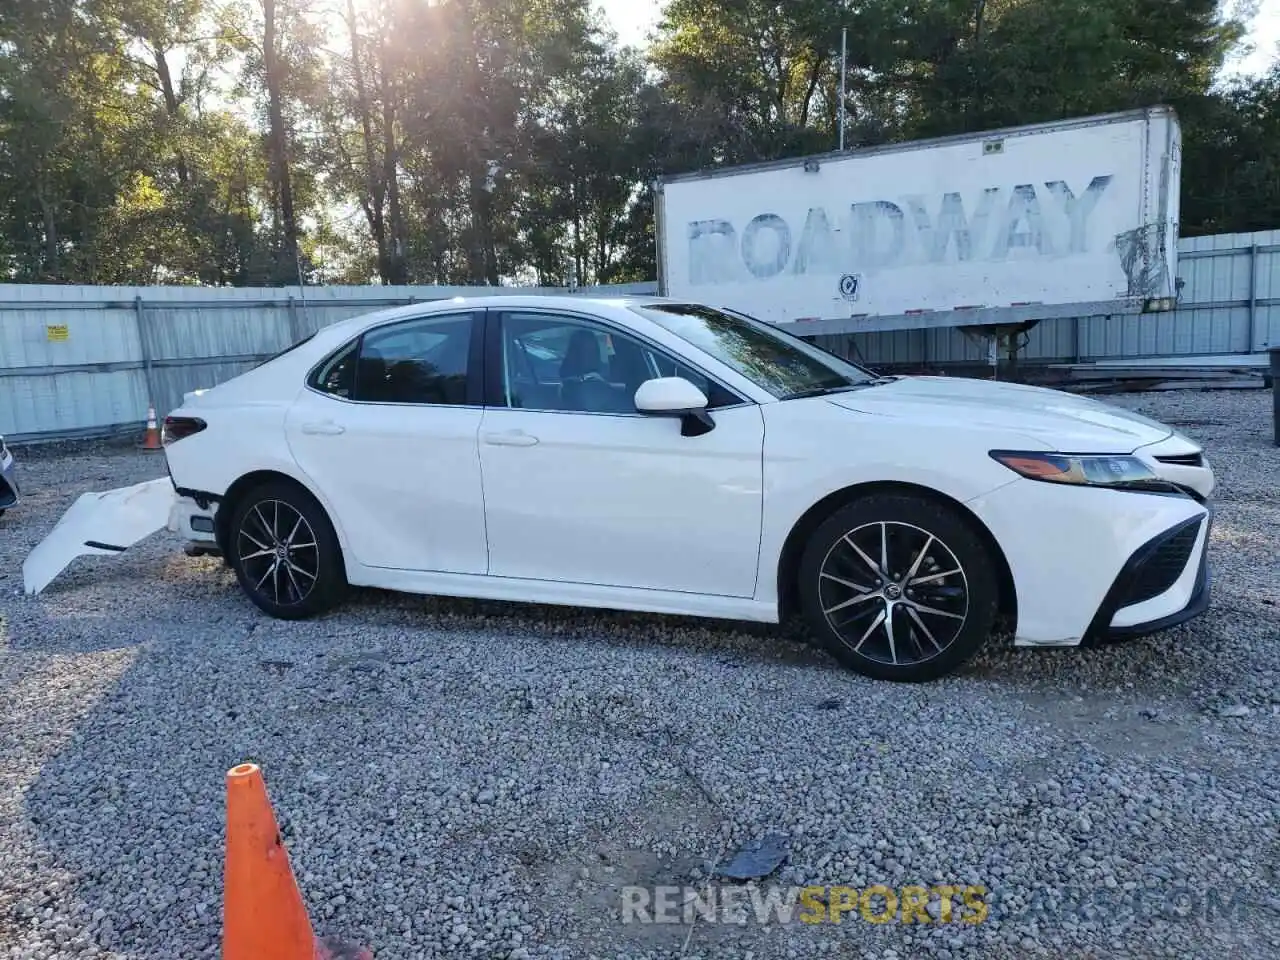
256	478
811	519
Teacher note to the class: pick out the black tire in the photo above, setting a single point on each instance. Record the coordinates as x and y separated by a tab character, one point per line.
938	622
285	593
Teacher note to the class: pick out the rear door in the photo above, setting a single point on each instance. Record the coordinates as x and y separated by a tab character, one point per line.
386	430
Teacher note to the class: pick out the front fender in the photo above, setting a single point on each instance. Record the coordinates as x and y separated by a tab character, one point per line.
814	450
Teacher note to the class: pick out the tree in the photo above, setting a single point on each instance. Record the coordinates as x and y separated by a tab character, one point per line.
1231	161
486	141
1106	55
278	42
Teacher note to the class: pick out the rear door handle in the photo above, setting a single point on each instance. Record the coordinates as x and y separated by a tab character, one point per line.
325	428
510	438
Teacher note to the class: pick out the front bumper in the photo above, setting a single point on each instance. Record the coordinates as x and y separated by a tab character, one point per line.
10	492
1166	582
1089	561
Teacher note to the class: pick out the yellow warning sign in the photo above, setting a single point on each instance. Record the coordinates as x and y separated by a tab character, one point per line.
57	332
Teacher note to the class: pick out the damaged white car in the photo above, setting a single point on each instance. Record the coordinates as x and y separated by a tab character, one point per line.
647	454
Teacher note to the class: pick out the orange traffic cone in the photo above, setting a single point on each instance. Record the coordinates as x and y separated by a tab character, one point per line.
152	439
263	914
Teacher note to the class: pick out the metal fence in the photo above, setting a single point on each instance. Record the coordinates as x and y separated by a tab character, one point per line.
87	361
1230	304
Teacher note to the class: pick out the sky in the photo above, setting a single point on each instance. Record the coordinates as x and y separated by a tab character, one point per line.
1264	35
633	19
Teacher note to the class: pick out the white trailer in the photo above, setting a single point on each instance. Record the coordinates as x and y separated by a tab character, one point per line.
993	230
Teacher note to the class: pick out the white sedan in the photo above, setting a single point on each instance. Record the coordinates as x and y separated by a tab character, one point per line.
646	454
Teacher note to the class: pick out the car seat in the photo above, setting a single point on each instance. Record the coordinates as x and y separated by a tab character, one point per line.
371	376
582	383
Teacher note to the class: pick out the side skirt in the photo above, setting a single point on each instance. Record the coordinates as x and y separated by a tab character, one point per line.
562	594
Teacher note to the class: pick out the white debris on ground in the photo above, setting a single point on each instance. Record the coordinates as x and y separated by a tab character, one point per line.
481	780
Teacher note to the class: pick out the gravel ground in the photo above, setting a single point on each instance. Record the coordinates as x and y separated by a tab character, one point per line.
481	780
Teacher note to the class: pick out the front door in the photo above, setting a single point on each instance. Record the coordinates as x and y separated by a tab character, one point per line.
387	433
581	488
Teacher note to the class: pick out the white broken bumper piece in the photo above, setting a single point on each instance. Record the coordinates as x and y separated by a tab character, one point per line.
106	523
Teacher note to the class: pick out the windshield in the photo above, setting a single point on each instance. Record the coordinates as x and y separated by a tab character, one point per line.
774	360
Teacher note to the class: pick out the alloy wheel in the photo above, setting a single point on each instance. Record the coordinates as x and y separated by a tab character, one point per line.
894	593
278	552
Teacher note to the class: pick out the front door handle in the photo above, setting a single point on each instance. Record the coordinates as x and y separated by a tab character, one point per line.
326	428
510	438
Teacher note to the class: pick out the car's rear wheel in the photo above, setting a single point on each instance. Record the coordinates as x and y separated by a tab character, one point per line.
285	552
899	587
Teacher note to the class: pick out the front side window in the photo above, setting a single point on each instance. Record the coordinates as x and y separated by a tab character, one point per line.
417	362
775	361
560	363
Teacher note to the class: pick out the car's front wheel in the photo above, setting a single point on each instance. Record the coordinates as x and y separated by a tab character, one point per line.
285	552
899	587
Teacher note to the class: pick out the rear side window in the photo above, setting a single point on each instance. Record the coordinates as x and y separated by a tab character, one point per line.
337	375
423	361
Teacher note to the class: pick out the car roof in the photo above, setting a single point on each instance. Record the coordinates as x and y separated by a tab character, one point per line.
353	324
515	300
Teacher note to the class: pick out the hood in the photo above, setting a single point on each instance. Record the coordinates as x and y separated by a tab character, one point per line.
1061	421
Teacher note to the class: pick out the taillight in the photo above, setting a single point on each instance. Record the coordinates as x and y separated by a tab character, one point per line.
177	428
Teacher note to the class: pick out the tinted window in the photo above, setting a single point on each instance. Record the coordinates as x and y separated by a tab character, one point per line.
337	375
560	363
420	361
773	360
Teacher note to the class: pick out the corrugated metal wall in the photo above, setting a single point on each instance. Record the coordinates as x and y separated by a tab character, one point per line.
86	361
1230	303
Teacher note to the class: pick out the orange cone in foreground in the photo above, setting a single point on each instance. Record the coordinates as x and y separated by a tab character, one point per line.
262	911
152	439
263	914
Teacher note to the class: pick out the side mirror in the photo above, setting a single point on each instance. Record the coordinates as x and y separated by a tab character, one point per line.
676	397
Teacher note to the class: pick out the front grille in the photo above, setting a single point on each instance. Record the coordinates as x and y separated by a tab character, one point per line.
1160	568
1183	460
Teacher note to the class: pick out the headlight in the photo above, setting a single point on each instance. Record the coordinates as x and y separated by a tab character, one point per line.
1117	471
